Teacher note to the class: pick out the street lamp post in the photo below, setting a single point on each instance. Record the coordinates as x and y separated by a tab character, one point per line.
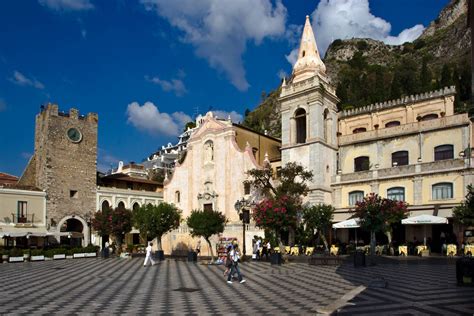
240	206
89	226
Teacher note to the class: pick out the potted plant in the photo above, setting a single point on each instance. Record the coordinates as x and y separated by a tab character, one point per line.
69	253
4	253
48	254
91	251
26	254
59	253
37	255
16	255
79	252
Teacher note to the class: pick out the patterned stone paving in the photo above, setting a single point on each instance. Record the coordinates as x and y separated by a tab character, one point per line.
124	286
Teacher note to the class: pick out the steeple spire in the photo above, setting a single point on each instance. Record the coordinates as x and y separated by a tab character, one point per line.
309	62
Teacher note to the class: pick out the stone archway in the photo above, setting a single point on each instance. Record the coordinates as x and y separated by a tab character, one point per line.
74	227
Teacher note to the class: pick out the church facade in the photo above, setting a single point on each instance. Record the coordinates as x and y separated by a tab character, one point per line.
219	153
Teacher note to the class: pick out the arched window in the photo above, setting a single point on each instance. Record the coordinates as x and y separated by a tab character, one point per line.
355	196
359	130
428	117
105	205
177	197
135	206
304	53
396	194
121	205
361	163
300	118
442	191
326	126
400	158
392	124
443	152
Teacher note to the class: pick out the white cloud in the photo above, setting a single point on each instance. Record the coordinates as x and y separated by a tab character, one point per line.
175	85
343	19
292	57
148	118
282	74
234	116
105	160
220	29
26	155
21	80
67	5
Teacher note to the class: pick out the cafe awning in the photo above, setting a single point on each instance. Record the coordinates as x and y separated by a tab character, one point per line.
14	232
350	223
424	219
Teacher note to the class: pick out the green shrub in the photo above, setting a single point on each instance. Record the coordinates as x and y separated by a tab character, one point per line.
49	253
91	248
15	252
37	252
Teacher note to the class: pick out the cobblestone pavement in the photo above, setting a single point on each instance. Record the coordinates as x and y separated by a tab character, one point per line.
124	286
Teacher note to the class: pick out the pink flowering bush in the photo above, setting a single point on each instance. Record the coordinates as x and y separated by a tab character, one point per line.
377	214
274	214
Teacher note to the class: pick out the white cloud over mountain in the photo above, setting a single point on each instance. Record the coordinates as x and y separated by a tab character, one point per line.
343	19
67	5
220	29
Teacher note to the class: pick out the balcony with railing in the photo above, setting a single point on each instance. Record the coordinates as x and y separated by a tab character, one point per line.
22	221
403	171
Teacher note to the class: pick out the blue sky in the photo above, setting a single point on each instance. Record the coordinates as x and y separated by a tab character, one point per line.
147	66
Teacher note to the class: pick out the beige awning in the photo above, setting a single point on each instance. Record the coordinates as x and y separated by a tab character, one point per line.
13	232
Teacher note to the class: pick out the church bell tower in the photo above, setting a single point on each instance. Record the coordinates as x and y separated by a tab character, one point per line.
309	118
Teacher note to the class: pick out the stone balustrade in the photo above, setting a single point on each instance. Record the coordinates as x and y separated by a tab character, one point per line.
406	129
401	171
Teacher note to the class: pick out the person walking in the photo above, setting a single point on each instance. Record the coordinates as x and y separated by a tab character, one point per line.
198	247
235	256
228	260
269	249
148	255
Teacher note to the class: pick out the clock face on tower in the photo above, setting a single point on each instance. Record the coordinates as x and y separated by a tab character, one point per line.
74	135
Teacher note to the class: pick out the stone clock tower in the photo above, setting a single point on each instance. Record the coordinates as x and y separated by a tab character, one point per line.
64	166
309	118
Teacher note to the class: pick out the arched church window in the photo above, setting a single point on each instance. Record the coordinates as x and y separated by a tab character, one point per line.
121	205
177	197
209	151
105	205
300	118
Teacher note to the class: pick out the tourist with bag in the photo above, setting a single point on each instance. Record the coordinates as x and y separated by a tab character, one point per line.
235	256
